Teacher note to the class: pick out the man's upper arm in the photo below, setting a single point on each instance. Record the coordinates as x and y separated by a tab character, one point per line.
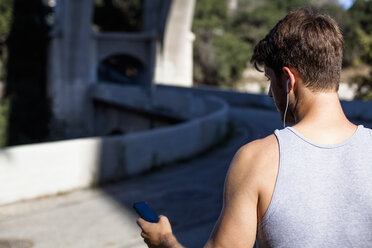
237	224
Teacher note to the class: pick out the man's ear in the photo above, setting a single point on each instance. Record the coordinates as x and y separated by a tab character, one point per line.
291	76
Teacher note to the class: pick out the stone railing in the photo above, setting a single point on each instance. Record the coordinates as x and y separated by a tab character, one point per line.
36	170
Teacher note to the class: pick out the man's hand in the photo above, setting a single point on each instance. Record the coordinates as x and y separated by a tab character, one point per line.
158	235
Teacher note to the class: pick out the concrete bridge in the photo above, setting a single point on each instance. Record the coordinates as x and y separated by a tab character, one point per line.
188	192
162	49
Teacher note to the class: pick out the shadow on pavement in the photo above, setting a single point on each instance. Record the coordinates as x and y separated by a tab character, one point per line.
190	192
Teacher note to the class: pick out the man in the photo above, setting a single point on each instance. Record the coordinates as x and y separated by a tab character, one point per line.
308	185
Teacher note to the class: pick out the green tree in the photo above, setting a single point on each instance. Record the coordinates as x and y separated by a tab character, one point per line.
364	90
361	13
366	42
253	25
6	7
5	21
209	20
232	56
219	55
224	43
4	108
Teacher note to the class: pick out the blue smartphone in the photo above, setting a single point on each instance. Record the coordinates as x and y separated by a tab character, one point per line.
145	212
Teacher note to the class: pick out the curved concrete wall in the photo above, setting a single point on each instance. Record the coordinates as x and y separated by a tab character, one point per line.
44	169
164	101
358	110
175	142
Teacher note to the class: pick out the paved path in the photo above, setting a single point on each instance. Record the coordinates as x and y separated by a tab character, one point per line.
188	192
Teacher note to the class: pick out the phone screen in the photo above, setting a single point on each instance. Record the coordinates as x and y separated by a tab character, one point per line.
145	212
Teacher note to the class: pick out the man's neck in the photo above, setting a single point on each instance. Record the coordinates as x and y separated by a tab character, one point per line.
320	107
321	118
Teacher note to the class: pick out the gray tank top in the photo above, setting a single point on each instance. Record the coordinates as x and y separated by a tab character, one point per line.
323	193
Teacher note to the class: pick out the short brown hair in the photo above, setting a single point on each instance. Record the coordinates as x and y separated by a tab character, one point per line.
307	41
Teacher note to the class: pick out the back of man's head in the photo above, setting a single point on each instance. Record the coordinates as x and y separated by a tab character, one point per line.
307	41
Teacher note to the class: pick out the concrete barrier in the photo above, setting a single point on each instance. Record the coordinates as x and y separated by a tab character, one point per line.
31	171
36	170
356	109
234	98
168	144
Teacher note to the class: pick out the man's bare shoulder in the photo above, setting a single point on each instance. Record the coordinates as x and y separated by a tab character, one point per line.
255	160
258	152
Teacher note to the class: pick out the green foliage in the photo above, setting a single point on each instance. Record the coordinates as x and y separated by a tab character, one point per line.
4	109
209	14
360	24
219	56
224	42
232	55
221	61
253	24
5	17
364	91
209	20
6	7
366	43
361	14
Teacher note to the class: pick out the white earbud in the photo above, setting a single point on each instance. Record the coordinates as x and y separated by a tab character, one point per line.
286	107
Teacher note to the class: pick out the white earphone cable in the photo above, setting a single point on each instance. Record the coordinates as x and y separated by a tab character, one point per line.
286	107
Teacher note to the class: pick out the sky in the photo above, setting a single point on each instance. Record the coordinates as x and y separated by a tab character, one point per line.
346	3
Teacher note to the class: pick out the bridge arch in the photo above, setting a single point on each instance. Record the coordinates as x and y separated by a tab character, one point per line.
120	68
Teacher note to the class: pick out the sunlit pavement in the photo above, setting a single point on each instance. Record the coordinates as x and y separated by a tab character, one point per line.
188	192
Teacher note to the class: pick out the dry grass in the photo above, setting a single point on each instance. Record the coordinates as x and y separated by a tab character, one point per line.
348	74
254	81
